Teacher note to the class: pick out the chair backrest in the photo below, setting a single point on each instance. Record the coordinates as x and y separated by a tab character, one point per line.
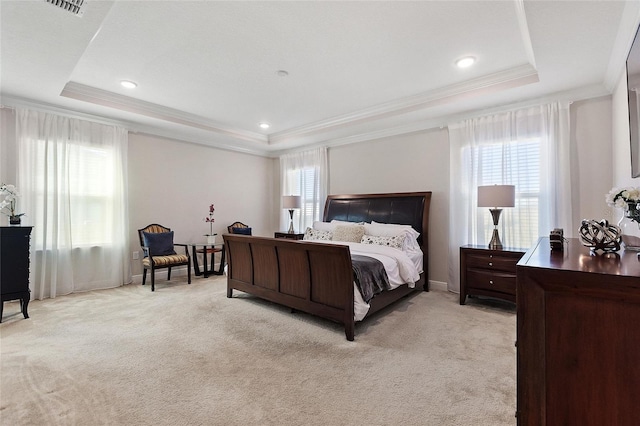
237	225
153	228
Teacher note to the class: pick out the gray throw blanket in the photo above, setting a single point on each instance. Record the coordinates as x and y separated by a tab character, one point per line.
370	276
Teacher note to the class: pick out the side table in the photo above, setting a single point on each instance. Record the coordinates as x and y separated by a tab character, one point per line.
294	236
488	272
211	250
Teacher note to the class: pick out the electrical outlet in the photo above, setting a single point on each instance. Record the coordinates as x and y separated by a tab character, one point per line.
135	256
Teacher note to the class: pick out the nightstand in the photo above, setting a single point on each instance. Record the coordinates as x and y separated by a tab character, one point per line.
287	235
488	272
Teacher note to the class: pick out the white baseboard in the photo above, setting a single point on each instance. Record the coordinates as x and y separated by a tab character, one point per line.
438	285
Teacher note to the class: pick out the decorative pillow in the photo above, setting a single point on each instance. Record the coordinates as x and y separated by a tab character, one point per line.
395	242
324	226
391	230
241	231
315	234
350	233
159	243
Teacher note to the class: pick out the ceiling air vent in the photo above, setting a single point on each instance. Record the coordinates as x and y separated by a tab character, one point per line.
73	6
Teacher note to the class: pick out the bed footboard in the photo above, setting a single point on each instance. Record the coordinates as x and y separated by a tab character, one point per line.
311	277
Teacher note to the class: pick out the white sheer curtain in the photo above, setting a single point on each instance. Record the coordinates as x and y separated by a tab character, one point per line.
528	148
305	174
73	178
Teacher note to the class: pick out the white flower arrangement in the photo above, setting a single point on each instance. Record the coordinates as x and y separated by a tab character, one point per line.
8	205
627	199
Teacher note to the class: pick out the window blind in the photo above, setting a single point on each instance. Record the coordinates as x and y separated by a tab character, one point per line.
512	163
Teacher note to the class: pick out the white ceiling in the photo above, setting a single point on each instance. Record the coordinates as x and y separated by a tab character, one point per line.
207	70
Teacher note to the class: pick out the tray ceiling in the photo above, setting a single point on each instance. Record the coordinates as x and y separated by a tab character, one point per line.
210	71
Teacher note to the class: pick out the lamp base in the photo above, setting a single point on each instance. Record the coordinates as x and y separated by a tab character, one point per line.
291	231
495	243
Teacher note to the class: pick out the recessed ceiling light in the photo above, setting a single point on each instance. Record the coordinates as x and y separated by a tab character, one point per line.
465	62
264	125
282	73
128	84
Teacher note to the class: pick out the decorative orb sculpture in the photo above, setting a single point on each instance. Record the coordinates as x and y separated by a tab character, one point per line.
600	235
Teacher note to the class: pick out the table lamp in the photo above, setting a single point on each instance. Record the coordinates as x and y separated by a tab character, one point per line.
291	202
496	196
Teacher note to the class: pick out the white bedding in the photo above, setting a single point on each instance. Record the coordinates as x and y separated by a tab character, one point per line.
401	267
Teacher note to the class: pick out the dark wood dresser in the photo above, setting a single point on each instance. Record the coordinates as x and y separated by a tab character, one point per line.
488	272
14	266
578	337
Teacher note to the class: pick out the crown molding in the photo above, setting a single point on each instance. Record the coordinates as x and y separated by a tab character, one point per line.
566	97
125	103
13	102
182	138
583	93
514	77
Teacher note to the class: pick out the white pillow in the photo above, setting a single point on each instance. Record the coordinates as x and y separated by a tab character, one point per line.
391	230
324	226
348	233
395	242
316	234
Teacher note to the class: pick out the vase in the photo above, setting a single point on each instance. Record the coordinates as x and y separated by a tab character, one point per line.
630	226
211	239
14	220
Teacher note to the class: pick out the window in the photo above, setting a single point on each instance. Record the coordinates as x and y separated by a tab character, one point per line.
528	148
305	174
90	193
73	178
514	163
304	182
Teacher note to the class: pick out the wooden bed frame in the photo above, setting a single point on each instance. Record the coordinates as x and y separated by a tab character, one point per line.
317	278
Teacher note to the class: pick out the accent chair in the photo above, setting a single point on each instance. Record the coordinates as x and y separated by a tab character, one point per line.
239	228
159	252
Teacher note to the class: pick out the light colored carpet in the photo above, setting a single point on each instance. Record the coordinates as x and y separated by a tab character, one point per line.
187	355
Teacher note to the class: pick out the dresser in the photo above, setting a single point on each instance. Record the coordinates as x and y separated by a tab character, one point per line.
488	272
14	266
578	337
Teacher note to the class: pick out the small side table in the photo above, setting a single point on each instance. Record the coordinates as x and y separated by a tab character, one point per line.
294	236
488	272
207	249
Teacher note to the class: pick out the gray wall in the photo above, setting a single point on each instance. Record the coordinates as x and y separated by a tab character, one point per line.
413	162
592	157
173	183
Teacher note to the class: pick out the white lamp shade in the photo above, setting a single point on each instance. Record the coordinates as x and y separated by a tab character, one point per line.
291	201
497	196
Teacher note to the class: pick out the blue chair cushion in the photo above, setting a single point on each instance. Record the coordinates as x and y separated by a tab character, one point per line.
242	231
159	243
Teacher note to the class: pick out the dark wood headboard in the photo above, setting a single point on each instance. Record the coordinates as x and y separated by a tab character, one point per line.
404	208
